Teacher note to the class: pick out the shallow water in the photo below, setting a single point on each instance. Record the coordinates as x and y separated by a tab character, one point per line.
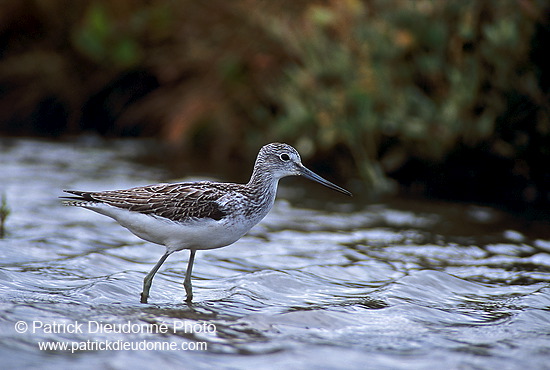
317	284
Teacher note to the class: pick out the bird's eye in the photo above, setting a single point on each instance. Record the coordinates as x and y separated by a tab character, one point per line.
285	157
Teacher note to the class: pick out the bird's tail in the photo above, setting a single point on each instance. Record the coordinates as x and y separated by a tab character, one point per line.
81	198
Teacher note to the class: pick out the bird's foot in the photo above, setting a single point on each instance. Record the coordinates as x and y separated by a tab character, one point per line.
143	298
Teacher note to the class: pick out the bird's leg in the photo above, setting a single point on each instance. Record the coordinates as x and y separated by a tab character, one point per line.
187	281
149	277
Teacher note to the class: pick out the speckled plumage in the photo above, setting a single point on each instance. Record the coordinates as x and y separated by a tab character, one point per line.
176	202
198	215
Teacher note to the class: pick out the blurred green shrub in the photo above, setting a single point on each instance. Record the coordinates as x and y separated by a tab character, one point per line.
395	79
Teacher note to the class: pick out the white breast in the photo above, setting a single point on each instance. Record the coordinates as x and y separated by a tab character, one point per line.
193	234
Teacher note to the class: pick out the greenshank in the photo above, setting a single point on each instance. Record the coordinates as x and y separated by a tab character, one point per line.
198	215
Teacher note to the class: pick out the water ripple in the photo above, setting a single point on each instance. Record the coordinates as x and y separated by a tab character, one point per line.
399	285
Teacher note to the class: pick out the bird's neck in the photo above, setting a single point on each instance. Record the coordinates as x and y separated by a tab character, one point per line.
263	185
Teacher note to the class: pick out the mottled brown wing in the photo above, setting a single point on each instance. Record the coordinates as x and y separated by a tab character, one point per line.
177	202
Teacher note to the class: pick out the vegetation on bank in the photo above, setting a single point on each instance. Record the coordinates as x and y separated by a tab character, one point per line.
4	213
451	98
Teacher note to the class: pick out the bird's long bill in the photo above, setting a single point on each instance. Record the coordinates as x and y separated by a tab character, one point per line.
313	176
